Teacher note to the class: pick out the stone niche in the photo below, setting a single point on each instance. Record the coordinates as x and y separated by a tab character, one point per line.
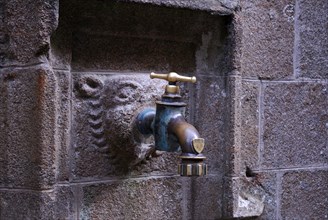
108	49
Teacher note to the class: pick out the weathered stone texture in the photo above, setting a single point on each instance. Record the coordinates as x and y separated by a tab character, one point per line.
209	119
64	203
143	21
27	132
29	207
112	53
232	127
214	54
250	124
165	163
304	195
151	38
153	198
28	204
268	182
206	197
245	197
214	6
249	196
27	28
312	39
295	124
60	55
3	34
267	42
63	122
3	133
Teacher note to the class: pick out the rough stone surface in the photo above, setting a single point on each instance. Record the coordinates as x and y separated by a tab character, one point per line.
209	119
28	204
63	123
312	40
250	124
206	197
151	38
232	127
250	198
267	181
27	131
64	204
111	53
27	26
215	6
3	134
165	163
144	21
245	198
214	54
153	198
304	195
267	42
60	55
295	125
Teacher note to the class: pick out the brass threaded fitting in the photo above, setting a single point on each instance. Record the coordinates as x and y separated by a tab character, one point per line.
192	169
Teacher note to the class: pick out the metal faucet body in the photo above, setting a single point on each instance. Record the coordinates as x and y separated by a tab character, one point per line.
172	132
168	125
165	139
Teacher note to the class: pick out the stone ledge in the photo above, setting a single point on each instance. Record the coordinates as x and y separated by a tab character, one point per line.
221	7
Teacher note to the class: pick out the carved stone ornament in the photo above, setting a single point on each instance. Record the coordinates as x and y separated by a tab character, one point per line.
104	110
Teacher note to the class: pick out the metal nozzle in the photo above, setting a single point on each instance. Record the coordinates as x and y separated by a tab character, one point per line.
192	165
192	169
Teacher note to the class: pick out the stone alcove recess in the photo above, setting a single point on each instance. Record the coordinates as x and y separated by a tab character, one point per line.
103	39
105	42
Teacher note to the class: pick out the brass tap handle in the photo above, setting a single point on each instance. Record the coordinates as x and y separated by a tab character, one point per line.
173	77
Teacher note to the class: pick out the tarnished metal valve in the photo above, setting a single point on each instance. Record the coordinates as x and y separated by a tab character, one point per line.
171	130
173	78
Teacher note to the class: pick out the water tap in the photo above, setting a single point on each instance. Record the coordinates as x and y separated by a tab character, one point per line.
171	131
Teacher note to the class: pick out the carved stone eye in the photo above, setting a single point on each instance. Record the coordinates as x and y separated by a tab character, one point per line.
125	91
89	86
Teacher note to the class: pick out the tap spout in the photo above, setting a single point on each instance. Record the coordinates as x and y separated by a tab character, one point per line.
191	146
171	132
185	133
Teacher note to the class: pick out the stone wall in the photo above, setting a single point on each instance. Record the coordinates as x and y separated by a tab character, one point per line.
74	74
284	100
